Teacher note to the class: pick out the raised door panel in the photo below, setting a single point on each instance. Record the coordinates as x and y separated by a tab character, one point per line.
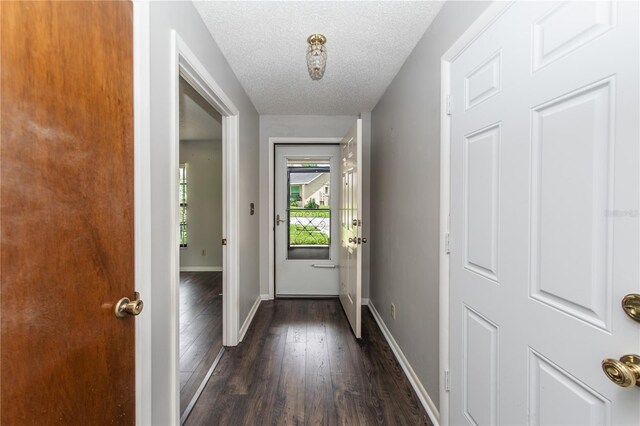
571	195
480	376
481	169
557	397
484	81
567	27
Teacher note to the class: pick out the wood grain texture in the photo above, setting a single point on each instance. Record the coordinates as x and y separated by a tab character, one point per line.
200	329
300	364
66	207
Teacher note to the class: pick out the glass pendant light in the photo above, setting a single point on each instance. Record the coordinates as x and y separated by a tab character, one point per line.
316	56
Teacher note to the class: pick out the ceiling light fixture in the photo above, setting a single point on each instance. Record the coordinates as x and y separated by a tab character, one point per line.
316	56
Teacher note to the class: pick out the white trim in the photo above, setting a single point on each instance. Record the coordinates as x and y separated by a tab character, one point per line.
265	297
423	396
478	27
249	319
365	301
142	207
201	269
186	64
272	142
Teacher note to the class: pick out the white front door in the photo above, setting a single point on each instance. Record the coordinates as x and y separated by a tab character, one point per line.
351	226
544	216
307	234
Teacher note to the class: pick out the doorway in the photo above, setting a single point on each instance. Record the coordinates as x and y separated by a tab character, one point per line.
200	236
306	235
348	198
188	67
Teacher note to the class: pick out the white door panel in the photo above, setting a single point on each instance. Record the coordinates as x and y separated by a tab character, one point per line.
351	226
544	215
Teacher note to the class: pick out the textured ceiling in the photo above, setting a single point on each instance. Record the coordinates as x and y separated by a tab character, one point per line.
367	42
198	119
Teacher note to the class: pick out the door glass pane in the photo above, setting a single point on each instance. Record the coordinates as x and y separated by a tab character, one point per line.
309	211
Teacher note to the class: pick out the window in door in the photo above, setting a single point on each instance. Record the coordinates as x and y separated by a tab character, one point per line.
183	204
309	235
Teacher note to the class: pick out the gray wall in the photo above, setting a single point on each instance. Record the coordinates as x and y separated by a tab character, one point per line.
204	209
183	17
321	126
405	164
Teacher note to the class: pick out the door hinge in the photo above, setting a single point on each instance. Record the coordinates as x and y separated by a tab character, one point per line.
448	104
447	381
447	243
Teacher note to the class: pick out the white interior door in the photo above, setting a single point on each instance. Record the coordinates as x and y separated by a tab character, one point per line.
351	226
306	232
544	216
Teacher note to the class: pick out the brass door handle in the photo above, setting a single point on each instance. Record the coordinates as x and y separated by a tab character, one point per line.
631	306
126	307
625	372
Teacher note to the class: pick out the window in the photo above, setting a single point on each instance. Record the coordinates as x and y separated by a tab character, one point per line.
183	205
294	195
309	213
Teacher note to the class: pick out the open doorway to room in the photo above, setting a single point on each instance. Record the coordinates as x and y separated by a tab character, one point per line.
200	236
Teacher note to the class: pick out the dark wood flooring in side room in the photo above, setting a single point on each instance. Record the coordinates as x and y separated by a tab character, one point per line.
200	329
300	364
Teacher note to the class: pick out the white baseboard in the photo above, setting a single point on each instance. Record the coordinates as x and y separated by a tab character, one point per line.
423	396
247	322
201	269
365	301
265	297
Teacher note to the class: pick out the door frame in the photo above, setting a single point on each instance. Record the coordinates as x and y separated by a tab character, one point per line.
142	207
479	26
271	207
185	64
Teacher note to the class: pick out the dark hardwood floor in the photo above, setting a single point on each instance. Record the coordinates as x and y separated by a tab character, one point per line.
300	364
200	329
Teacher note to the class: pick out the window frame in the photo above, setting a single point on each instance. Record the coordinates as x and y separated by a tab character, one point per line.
183	205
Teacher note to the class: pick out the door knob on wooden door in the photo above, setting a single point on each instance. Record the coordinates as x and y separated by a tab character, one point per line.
126	307
624	372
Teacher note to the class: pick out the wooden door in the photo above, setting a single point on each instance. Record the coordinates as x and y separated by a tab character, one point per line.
544	216
66	160
351	226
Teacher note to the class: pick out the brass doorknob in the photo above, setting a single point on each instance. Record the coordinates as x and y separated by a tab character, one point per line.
625	372
631	306
126	307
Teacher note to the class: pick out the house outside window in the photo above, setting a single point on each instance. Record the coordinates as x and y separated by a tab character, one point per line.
183	205
294	197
